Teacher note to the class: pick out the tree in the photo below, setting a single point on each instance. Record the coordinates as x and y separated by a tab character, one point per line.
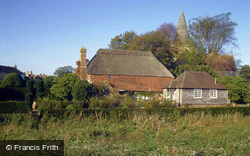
12	80
213	34
238	88
157	43
121	41
62	87
48	82
63	70
168	30
245	72
81	90
187	67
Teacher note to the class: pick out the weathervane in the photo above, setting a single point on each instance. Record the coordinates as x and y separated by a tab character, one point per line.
181	4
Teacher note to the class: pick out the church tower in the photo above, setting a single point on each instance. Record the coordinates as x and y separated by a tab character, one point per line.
182	31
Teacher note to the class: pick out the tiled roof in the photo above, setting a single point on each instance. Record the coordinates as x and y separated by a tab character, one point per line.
133	83
126	62
195	79
221	62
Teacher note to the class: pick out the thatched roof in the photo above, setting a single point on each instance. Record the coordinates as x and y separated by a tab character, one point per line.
221	62
195	79
7	69
126	62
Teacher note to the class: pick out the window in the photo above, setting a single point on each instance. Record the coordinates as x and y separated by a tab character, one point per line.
168	93
173	94
197	93
213	93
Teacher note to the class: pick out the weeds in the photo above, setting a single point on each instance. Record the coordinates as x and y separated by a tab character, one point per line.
137	134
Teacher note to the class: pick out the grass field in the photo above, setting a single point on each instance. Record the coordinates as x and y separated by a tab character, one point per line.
138	134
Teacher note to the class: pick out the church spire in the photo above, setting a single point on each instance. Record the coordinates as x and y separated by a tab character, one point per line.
182	30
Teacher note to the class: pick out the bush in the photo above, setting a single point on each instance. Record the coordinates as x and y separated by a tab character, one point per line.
112	101
167	104
105	102
238	88
128	102
12	80
46	103
152	103
13	107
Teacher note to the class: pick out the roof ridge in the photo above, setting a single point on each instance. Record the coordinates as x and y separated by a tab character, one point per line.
182	82
124	52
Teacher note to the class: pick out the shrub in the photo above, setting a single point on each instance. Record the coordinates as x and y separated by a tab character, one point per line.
128	102
238	88
152	103
105	102
167	104
47	103
12	80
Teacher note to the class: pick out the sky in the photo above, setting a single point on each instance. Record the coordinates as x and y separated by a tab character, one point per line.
42	35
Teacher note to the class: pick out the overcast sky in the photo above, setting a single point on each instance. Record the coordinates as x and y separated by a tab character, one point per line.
42	35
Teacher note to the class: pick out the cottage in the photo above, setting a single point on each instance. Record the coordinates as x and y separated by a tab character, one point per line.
196	88
223	64
125	70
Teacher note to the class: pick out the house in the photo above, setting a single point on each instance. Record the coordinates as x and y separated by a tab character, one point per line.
125	70
196	88
223	64
5	70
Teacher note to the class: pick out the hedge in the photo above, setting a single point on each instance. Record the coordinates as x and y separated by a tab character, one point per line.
13	107
7	94
124	113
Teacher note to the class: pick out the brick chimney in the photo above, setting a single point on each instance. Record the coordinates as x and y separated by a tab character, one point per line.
83	64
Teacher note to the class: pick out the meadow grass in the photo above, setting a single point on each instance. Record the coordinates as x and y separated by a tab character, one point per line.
138	134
